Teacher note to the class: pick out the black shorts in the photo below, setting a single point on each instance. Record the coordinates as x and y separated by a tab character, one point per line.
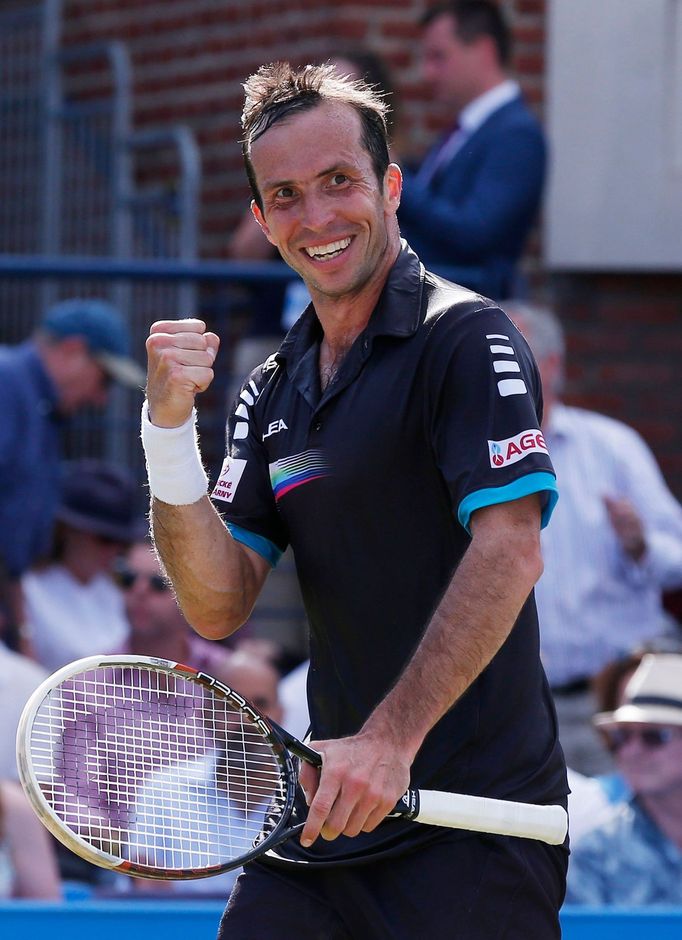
477	888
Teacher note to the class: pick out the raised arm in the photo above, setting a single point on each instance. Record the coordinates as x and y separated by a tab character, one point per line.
363	776
216	579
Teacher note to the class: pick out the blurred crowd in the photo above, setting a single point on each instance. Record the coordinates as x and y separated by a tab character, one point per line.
79	576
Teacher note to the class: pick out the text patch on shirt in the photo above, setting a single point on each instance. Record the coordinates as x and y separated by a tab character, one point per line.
503	453
228	481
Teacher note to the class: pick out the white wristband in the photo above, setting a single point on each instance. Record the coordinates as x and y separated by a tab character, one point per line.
174	469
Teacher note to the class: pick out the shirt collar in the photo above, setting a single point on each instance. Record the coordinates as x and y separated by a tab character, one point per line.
397	313
479	110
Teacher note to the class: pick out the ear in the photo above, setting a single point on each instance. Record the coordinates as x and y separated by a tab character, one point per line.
393	185
260	218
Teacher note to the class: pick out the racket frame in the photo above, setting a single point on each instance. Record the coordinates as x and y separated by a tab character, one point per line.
277	738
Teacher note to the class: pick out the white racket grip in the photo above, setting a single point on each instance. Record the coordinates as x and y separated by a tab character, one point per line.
484	814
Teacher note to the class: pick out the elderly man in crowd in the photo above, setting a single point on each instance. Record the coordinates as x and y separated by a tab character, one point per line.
615	544
636	857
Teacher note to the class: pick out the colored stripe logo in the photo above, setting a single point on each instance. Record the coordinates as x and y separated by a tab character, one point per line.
294	471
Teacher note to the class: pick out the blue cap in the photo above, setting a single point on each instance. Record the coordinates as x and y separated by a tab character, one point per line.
103	329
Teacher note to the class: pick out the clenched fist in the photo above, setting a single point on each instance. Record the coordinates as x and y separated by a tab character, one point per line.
180	357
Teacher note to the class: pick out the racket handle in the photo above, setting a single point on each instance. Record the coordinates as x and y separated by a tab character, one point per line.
484	814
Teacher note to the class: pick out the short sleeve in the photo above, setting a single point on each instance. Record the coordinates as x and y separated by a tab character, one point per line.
487	414
243	492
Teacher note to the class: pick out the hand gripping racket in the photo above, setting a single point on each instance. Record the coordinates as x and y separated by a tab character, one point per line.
154	769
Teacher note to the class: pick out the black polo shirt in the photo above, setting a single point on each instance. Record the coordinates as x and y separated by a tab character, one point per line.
434	413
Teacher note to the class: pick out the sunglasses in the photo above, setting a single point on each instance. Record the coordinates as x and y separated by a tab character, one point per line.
127	578
649	738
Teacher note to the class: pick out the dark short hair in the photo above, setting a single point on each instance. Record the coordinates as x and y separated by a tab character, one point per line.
372	69
277	91
473	19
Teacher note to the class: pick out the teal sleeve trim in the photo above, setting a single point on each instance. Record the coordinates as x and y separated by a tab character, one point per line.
264	547
524	486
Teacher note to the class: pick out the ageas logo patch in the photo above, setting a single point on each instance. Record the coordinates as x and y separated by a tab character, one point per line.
503	453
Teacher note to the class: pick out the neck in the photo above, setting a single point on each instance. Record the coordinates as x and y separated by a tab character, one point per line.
491	80
331	357
341	327
80	565
344	317
666	812
487	83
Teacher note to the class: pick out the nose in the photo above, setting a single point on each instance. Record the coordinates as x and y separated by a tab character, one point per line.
318	212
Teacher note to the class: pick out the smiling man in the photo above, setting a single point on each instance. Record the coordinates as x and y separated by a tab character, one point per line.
366	442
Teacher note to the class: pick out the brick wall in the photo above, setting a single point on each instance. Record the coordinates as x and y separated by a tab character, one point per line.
189	57
625	346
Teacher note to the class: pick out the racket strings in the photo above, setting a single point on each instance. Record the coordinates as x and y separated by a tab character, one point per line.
154	768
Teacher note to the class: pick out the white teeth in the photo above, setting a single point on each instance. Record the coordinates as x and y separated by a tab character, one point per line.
324	251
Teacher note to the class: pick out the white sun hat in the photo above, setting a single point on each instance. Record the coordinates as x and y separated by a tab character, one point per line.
653	694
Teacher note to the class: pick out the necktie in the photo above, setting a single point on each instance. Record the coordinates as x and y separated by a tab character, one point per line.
440	153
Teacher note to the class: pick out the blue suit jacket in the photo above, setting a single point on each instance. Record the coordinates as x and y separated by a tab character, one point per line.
470	222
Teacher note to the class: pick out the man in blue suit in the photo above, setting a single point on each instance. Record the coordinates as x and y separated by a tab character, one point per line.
468	208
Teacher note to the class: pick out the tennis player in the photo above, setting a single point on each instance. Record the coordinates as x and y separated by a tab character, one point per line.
393	440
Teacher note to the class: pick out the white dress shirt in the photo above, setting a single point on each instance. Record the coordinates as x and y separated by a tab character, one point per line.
594	602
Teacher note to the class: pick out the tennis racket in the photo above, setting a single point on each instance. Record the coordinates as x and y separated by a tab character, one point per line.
154	769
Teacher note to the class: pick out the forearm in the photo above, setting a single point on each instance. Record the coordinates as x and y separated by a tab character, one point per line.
472	621
216	579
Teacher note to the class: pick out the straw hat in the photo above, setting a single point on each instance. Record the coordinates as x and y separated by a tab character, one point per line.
653	694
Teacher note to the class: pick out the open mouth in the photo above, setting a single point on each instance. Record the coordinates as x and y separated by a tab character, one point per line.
327	252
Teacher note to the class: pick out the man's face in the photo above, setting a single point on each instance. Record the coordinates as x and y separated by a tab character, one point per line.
258	683
150	605
323	207
449	67
82	380
650	758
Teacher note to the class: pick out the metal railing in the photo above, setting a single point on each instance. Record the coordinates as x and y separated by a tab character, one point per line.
74	181
91	207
